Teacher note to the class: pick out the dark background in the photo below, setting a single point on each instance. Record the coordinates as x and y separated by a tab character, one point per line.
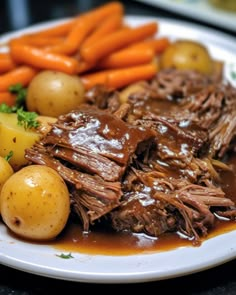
16	14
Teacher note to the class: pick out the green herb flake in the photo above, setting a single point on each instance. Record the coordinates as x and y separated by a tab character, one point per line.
4	108
20	92
9	156
65	256
27	119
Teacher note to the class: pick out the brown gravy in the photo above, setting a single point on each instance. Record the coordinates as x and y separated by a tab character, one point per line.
110	243
104	242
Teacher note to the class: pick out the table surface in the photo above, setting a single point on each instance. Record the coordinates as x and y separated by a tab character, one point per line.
215	281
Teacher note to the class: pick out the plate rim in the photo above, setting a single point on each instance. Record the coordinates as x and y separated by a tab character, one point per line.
212	16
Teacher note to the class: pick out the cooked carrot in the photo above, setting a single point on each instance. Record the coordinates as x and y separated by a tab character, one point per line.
127	57
41	59
117	40
57	30
84	25
6	62
74	39
109	8
34	40
158	45
7	98
119	78
108	25
22	75
84	66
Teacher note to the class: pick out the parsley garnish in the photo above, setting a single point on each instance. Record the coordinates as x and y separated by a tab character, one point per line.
4	108
65	256
20	92
8	157
27	119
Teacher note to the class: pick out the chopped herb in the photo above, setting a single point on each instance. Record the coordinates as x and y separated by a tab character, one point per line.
20	92
27	119
4	108
9	156
65	256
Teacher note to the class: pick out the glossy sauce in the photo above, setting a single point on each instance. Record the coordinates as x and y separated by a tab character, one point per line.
110	243
107	242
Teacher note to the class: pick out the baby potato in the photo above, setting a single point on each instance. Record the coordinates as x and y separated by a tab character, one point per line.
15	138
186	54
5	171
52	93
35	203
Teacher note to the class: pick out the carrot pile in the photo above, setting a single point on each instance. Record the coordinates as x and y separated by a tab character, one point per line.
97	45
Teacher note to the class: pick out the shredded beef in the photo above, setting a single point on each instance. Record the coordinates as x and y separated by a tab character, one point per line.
91	149
150	165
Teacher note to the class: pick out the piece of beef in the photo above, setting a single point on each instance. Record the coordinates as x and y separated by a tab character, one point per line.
91	149
103	98
156	205
151	164
176	84
192	98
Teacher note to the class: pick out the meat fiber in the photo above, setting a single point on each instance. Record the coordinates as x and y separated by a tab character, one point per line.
151	165
91	149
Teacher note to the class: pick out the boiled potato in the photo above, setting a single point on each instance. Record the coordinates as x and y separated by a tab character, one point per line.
5	171
186	54
53	93
35	203
15	138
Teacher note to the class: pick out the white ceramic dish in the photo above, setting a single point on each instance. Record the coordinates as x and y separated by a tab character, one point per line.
43	260
199	10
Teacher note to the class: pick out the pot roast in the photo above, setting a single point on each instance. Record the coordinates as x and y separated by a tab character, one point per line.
151	165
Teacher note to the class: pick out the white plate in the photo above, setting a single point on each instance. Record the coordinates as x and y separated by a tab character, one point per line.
199	10
43	260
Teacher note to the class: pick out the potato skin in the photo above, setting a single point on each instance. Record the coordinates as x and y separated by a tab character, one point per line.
186	54
35	203
5	171
52	93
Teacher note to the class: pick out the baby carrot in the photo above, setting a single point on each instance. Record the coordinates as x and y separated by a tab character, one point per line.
7	98
108	25
57	30
41	59
53	32
84	66
6	62
34	40
103	11
75	37
127	57
22	75
117	40
84	25
158	45
119	78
